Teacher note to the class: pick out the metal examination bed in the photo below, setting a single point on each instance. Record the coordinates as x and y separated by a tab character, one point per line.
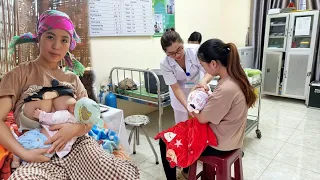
140	95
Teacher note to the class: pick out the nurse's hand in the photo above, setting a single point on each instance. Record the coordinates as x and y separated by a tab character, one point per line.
205	86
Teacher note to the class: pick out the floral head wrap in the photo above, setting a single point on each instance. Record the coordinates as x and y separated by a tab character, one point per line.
53	19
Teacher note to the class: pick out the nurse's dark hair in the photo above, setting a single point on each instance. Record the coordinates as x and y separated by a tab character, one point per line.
195	36
227	55
170	37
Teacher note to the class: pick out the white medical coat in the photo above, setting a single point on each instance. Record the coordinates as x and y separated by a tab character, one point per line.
173	73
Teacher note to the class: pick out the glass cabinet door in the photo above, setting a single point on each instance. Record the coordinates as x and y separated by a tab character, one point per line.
277	38
301	32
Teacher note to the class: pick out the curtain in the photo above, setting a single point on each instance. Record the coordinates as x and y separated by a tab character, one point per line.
315	4
259	10
7	28
20	16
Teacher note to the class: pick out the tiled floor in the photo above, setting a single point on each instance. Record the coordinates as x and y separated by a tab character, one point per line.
289	147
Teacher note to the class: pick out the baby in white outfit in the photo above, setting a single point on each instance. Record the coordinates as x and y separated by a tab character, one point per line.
197	99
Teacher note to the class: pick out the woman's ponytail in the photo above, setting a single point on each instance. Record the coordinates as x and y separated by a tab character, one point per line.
227	55
237	73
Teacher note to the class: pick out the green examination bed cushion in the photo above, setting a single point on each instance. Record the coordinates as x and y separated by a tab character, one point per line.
137	92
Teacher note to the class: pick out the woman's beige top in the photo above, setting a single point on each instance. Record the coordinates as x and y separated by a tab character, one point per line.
29	76
227	112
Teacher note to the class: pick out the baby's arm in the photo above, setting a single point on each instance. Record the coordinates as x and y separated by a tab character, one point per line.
44	117
57	117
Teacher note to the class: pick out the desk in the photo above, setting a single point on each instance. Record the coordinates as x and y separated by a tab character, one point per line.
115	121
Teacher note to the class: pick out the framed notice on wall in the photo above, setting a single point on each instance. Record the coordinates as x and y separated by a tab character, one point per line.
164	16
120	18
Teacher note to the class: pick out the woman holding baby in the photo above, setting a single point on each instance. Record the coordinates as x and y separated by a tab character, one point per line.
42	84
226	108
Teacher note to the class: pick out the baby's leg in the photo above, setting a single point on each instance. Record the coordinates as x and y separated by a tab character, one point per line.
15	162
62	103
30	107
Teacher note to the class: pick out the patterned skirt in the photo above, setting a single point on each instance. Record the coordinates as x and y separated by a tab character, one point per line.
87	160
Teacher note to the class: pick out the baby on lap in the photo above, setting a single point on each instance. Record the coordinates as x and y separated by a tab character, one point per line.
197	99
187	140
82	111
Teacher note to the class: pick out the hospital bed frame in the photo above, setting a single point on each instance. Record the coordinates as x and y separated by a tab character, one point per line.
141	96
160	100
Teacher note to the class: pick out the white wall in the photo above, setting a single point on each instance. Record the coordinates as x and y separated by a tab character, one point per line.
235	20
146	52
224	19
213	18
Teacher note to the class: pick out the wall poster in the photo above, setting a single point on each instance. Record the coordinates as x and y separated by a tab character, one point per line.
164	16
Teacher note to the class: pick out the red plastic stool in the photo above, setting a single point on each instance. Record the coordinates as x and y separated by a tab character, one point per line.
219	166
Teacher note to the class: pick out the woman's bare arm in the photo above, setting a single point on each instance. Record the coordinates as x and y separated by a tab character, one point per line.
201	118
203	82
206	79
6	137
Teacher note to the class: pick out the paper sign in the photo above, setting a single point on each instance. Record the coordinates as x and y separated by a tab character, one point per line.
303	26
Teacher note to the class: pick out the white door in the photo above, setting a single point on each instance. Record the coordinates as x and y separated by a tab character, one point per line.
272	63
276	32
297	74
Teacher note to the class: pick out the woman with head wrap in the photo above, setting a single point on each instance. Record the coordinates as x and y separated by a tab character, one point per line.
38	84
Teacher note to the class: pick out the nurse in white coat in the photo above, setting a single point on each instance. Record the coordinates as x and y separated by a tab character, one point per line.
181	70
